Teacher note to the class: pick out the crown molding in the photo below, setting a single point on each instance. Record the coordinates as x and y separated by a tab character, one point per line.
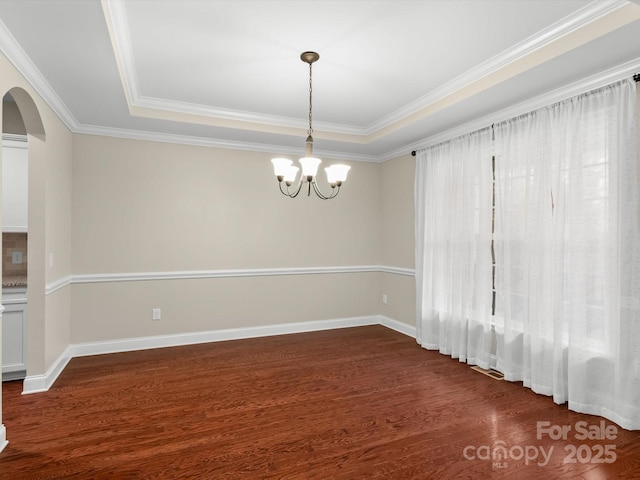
21	61
166	109
118	29
615	74
218	143
116	21
553	33
225	114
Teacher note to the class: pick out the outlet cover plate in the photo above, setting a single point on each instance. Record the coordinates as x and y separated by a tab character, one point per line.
16	258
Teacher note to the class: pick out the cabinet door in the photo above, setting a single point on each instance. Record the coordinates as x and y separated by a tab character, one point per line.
14	321
14	186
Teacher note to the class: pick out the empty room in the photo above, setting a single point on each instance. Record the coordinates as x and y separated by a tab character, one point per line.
318	239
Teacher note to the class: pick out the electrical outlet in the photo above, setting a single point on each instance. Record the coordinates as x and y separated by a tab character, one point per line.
384	298
156	314
16	258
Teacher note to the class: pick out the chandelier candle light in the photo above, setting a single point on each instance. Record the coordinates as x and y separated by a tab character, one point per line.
286	172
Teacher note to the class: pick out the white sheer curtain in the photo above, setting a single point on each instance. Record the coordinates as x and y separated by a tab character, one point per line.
453	247
568	252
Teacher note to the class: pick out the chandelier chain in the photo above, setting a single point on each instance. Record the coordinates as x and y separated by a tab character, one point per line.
310	131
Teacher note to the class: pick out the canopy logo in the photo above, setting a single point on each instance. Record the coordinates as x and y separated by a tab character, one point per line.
500	454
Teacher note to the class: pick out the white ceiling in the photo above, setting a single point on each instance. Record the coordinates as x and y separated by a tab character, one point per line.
392	75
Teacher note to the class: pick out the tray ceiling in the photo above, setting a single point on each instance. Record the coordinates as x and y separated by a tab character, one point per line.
391	74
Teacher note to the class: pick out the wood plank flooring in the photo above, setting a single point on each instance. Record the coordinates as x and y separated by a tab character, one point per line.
353	403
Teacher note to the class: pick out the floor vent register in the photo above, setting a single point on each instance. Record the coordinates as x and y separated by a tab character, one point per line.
489	373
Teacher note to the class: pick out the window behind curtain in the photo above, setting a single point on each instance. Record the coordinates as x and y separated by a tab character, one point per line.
567	245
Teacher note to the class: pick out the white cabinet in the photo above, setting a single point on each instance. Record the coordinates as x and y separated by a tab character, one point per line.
14	333
14	185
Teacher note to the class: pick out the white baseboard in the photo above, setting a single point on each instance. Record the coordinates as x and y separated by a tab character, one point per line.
179	339
3	437
42	383
408	330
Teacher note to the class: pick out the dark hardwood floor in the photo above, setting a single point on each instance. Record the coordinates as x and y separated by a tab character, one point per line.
344	404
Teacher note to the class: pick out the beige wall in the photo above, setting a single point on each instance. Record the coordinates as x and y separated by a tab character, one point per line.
398	241
49	146
397	211
148	206
11	119
58	222
154	207
119	310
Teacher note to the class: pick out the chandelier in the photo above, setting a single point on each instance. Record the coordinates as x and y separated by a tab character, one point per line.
286	172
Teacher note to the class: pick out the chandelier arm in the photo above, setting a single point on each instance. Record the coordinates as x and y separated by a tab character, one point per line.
294	195
288	193
299	189
334	192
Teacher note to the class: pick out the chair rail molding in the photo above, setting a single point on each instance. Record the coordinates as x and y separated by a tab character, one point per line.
226	273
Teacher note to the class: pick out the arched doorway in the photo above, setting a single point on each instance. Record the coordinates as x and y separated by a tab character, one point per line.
35	134
15	190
